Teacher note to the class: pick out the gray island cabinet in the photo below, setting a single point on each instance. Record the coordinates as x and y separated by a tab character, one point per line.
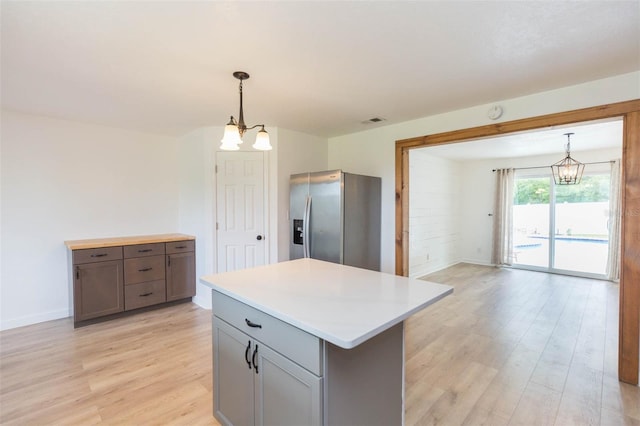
307	342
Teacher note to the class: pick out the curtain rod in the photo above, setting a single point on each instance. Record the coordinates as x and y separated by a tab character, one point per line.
544	167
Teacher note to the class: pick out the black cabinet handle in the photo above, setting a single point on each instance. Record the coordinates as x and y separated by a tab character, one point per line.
168	260
77	273
144	269
145	250
99	255
246	354
181	247
252	324
146	294
253	359
259	237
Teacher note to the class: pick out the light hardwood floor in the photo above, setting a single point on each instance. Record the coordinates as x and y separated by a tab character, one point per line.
520	348
152	368
508	347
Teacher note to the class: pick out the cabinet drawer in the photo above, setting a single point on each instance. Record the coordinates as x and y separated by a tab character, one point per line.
140	250
141	269
144	294
96	255
180	246
297	345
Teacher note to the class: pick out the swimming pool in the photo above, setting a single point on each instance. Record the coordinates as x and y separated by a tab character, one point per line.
571	253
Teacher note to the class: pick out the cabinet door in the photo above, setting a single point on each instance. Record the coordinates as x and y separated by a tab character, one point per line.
98	289
181	275
233	376
286	394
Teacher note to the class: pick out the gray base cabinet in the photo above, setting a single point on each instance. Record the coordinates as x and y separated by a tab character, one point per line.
254	382
233	375
268	372
98	289
262	365
282	383
144	275
126	274
181	270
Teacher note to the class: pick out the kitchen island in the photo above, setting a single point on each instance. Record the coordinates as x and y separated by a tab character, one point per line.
307	342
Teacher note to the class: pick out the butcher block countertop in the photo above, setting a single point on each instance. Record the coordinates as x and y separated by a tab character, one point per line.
341	304
126	241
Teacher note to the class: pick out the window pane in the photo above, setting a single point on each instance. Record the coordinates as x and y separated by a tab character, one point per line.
581	231
531	222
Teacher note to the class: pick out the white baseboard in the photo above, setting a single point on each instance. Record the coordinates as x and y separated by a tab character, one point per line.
431	271
476	262
471	262
33	319
203	302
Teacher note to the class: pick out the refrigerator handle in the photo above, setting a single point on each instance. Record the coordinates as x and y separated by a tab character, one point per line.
306	227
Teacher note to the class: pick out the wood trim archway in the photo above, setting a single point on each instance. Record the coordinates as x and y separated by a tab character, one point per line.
629	325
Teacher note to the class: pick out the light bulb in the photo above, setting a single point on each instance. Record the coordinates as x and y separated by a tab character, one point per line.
262	141
231	138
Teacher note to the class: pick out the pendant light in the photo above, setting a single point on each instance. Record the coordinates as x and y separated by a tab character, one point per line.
567	171
234	130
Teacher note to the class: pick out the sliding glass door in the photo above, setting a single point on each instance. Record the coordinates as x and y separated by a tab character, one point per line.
531	221
562	228
581	223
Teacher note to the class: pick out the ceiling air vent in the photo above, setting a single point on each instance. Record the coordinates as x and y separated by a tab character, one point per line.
373	120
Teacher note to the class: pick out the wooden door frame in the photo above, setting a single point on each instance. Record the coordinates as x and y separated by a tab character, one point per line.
629	329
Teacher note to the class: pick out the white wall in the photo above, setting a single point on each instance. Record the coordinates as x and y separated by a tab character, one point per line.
434	213
195	173
477	199
297	153
65	180
372	151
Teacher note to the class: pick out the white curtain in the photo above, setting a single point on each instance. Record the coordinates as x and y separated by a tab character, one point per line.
503	218
613	259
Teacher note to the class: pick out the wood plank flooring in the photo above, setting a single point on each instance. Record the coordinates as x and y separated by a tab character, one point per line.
514	347
509	347
152	368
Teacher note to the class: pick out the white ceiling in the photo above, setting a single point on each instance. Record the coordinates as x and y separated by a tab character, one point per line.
320	67
588	136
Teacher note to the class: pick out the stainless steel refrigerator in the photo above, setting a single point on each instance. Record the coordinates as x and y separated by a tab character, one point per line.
335	216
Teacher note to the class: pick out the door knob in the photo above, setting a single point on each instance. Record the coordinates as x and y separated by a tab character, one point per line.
259	237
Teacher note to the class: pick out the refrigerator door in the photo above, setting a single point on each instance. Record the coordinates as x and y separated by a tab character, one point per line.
362	221
298	193
326	219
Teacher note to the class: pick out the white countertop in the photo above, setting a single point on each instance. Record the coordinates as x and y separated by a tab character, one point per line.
340	304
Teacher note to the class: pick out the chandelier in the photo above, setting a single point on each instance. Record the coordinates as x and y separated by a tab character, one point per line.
567	171
234	130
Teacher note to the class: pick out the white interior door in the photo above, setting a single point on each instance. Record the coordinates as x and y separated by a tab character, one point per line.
240	210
